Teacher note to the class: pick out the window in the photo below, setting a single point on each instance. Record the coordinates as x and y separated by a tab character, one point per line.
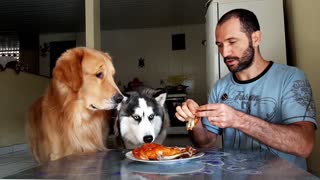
9	51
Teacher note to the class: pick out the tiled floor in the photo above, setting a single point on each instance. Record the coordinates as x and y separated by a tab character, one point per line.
15	162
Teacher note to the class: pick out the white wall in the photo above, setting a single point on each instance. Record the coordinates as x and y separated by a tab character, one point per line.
304	41
18	92
154	45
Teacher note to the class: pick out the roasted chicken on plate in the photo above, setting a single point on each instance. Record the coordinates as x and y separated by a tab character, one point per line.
152	151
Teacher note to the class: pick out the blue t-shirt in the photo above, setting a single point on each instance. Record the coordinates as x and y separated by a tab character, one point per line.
280	95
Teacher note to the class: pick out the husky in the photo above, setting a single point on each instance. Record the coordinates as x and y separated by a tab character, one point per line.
142	118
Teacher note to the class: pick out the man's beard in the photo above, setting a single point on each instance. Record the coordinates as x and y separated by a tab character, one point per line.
244	62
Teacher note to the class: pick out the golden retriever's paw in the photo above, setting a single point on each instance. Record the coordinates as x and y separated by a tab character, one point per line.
54	156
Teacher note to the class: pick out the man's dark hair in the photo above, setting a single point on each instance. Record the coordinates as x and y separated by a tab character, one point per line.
248	20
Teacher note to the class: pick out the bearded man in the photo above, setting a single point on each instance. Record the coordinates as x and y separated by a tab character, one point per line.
259	104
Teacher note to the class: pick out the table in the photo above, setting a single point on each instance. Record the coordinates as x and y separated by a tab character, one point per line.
214	164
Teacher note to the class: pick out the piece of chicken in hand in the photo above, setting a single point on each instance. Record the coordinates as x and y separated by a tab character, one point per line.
192	123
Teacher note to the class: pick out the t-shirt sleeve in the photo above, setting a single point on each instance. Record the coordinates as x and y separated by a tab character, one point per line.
297	101
212	99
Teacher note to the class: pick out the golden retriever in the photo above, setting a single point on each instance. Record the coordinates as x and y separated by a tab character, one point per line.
72	116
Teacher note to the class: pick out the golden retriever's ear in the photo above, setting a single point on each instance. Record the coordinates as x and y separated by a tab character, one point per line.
107	55
68	69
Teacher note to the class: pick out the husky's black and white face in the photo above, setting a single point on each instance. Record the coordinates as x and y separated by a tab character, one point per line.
140	118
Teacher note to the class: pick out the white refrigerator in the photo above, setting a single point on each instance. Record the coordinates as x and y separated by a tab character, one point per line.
271	19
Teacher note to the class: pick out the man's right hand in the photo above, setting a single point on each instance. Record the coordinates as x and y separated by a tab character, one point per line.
200	136
186	111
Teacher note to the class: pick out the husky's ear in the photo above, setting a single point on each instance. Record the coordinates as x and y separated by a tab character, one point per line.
125	94
125	98
128	94
161	98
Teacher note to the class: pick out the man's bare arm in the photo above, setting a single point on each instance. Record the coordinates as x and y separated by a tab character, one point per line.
201	137
297	138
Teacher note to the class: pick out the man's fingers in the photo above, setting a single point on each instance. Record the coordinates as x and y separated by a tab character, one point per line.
213	118
192	106
208	107
210	113
186	110
183	116
179	117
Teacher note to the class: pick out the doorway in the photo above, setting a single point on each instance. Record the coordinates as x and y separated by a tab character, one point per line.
56	49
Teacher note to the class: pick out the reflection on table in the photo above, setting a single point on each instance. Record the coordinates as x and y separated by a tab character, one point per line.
214	164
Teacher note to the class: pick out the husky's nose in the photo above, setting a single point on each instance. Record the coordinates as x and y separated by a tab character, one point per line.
117	98
147	139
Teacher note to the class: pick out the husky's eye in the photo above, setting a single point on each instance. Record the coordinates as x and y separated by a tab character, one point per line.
99	75
151	117
137	118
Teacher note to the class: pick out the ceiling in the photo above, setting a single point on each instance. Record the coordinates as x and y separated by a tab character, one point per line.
48	16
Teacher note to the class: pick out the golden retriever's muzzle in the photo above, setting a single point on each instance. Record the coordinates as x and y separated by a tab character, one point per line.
108	105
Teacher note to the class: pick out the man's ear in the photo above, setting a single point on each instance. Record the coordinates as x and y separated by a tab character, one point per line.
68	69
256	38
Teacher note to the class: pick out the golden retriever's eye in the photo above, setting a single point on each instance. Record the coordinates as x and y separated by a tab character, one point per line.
99	75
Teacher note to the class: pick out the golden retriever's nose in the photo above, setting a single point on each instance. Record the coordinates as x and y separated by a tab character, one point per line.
117	98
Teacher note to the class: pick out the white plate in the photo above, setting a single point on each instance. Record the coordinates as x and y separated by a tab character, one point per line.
188	167
129	155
